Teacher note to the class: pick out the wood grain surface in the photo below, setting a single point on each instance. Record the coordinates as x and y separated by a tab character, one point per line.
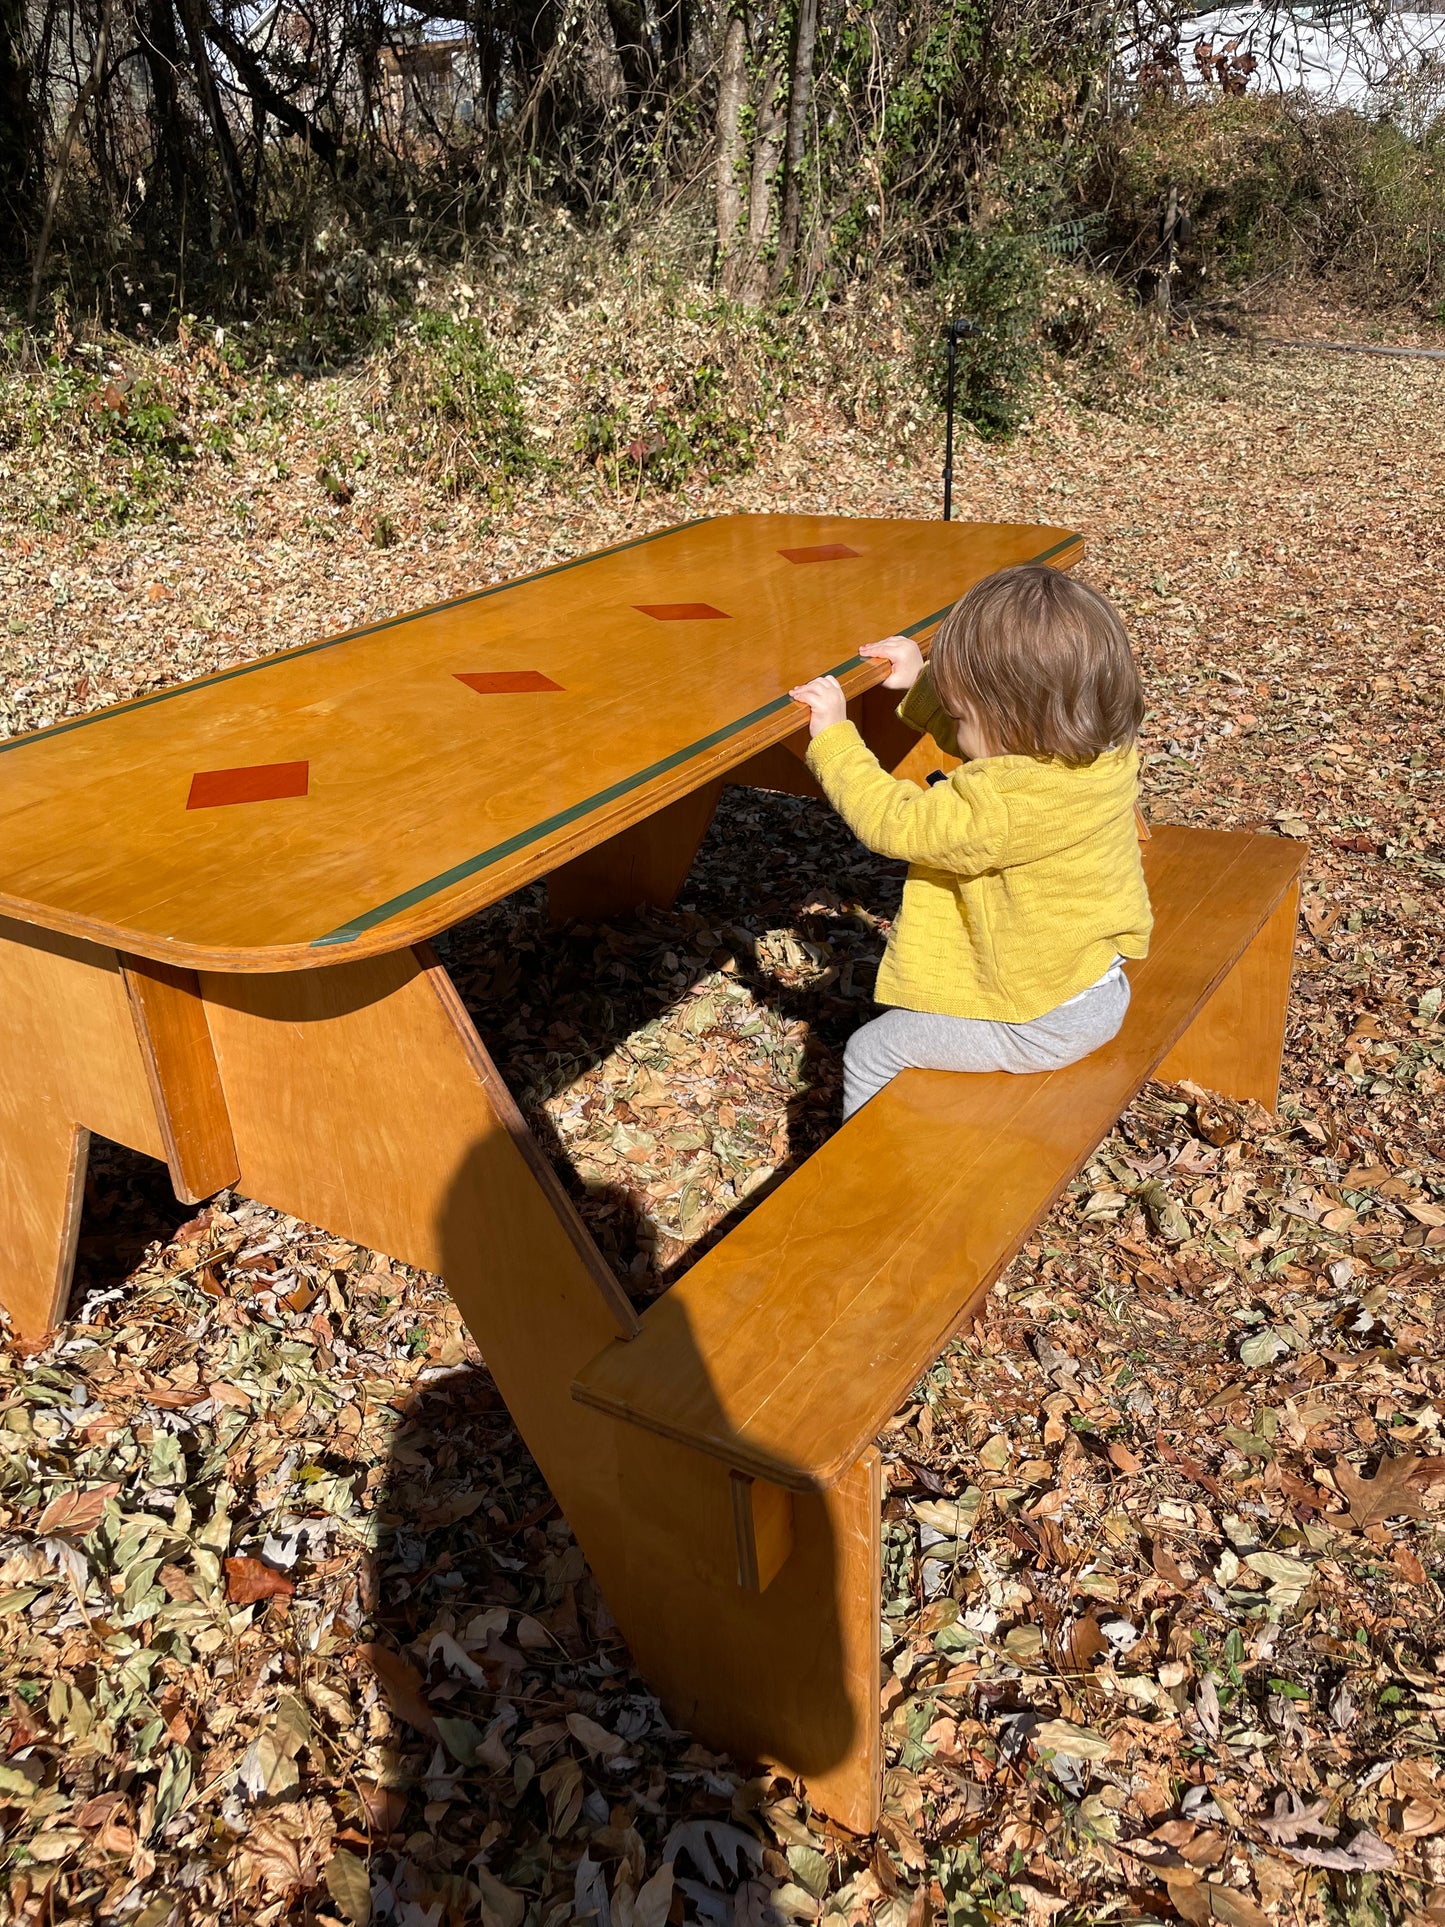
423	797
1236	1042
69	1059
814	1317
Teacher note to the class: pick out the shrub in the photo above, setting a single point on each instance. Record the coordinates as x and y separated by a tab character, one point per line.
457	405
997	282
1276	185
119	430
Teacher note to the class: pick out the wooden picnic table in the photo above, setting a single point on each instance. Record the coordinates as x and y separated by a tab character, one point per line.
215	902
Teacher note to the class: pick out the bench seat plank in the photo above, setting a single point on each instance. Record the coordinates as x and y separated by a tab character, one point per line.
787	1346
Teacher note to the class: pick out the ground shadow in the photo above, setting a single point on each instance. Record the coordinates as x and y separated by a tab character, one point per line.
568	1586
128	1206
774	872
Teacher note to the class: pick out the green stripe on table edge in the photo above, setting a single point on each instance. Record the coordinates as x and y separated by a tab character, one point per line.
484	859
347	635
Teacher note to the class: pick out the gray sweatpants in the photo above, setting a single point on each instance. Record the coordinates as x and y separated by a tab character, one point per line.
918	1039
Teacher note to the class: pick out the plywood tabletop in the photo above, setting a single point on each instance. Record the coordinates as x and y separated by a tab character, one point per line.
358	794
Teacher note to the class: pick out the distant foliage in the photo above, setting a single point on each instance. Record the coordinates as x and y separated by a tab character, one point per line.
455	405
1273	184
114	442
341	174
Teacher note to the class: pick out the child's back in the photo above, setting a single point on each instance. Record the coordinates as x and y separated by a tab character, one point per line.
1025	890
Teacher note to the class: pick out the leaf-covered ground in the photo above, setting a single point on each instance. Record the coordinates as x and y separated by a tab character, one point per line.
291	1630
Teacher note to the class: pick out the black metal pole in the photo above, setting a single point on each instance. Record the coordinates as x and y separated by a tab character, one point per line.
948	419
953	334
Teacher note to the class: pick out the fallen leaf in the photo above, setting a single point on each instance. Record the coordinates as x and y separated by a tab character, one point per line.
383	1807
654	1898
402	1685
1408	1566
720	1852
1365	1853
1082	1643
1293	1816
268	1766
1280	1569
1396	1491
76	1513
349	1886
1364	1177
250	1580
1201	1900
1167	1567
954	1518
594	1740
98	1810
502	1906
1062	1736
55	1843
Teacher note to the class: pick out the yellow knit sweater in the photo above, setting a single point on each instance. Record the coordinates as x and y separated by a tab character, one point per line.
1024	880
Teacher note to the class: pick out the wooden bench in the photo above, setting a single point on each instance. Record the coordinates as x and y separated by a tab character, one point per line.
787	1347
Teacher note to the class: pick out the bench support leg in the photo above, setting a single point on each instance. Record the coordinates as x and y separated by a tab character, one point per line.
1236	1042
647	863
763	1526
363	1100
41	1189
69	1064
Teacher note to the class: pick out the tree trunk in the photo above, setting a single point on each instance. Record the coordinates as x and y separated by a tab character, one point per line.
800	98
157	34
731	93
634	53
674	33
20	147
532	27
752	270
226	155
62	163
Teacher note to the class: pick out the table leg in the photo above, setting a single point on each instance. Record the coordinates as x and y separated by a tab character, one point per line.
645	864
1236	1042
782	766
790	1674
185	1084
362	1099
69	1059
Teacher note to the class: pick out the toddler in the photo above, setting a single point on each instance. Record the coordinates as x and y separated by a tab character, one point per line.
1024	891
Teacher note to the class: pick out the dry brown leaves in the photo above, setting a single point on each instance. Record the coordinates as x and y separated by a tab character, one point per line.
1164	1536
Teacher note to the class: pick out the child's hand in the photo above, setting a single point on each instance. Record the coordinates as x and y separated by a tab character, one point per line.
903	654
824	697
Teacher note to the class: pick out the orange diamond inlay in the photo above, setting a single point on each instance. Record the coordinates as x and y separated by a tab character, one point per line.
261	783
682	612
824	552
507	682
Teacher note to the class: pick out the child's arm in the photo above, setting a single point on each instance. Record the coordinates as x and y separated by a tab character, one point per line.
920	708
939	827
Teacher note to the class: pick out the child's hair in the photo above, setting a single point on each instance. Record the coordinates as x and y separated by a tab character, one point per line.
1043	663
